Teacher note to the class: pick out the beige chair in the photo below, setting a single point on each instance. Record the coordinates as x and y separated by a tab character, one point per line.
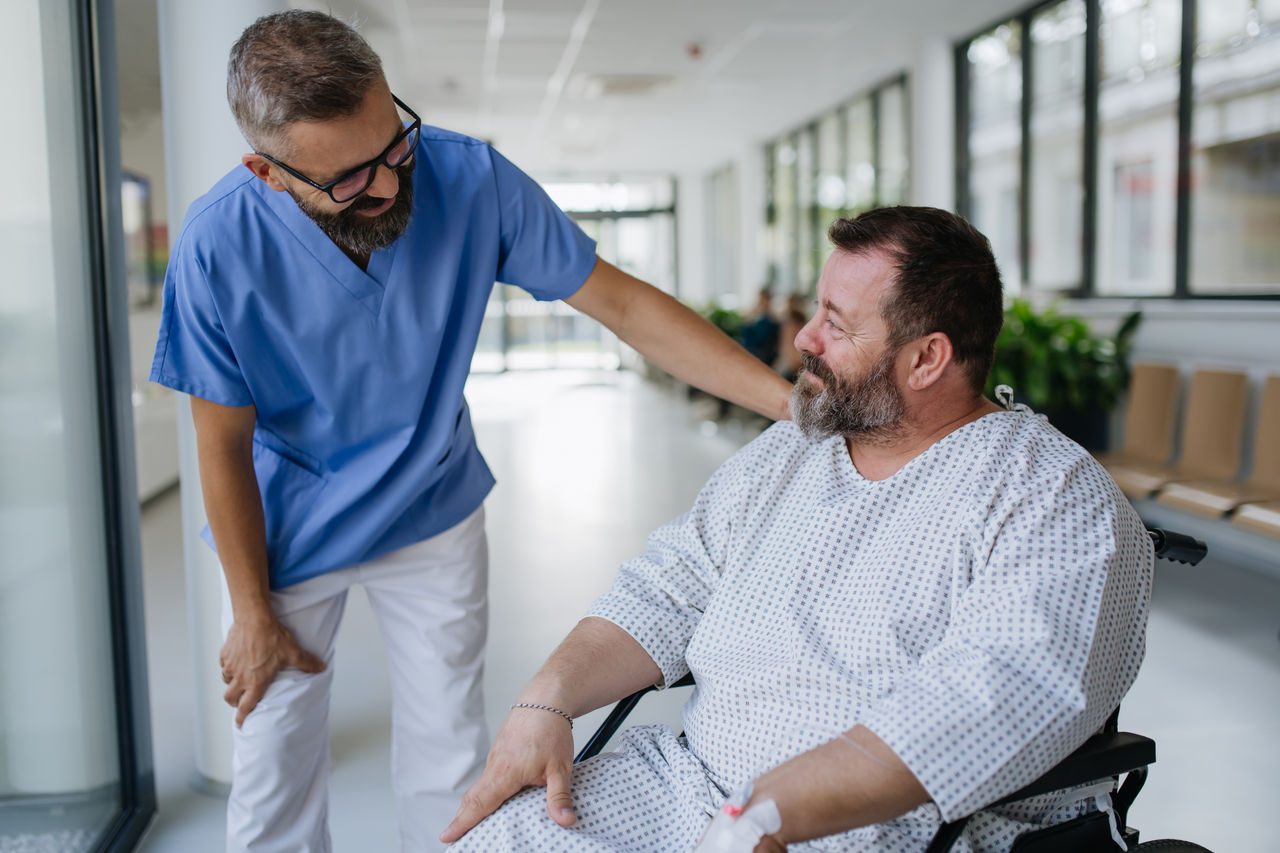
1261	512
1149	416
1212	425
1261	518
1215	498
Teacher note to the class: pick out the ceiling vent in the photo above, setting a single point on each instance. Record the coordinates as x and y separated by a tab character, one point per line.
616	85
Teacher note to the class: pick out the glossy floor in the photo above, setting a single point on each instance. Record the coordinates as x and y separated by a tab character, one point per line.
587	464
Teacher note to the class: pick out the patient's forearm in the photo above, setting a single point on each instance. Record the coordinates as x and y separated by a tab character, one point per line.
596	664
842	784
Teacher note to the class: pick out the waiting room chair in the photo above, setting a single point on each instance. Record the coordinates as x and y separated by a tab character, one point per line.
1110	752
1263	516
1213	499
1150	413
1209	447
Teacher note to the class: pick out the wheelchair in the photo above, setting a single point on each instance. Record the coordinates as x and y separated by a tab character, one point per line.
1110	752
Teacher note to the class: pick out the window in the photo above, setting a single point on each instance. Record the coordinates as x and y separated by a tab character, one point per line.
1144	159
75	761
995	142
860	157
633	224
892	144
1133	256
830	190
1235	149
849	159
1138	48
806	200
784	224
1056	147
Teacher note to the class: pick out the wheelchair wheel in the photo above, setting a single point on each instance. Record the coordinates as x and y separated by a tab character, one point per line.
1170	845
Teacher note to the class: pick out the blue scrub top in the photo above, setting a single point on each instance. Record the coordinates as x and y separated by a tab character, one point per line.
363	442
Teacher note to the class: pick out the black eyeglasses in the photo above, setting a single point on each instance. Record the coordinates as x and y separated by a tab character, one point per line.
354	182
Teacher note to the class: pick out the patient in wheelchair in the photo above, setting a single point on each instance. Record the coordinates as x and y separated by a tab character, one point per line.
899	607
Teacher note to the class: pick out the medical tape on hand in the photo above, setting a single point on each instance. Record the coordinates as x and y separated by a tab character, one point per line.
738	829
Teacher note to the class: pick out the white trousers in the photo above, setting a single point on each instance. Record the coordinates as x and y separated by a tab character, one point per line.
430	602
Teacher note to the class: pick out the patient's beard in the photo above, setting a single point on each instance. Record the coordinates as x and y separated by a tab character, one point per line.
361	235
868	409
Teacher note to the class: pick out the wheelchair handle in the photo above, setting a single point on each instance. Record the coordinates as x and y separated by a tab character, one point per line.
1178	547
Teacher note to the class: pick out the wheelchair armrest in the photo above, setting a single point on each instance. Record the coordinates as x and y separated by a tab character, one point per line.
1100	756
614	721
1103	755
1178	547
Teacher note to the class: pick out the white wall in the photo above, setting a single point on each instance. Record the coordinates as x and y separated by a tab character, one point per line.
1236	334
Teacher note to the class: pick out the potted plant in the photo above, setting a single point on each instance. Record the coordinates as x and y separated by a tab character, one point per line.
726	320
1060	368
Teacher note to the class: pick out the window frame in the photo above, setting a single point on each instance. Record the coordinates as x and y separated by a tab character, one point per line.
1184	197
808	216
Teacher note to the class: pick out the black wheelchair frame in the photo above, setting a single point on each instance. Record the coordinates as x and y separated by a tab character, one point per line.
1109	753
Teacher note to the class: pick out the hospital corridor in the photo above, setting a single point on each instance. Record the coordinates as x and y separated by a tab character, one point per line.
351	253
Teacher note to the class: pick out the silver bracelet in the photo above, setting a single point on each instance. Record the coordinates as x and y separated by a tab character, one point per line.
544	708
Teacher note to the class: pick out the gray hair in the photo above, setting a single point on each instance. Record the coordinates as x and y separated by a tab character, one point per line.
295	66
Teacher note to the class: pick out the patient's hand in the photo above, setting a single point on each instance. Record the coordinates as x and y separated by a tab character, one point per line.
533	747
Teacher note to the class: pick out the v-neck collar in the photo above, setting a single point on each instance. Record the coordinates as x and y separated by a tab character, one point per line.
847	474
365	286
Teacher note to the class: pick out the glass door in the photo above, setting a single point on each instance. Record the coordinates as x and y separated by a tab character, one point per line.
74	745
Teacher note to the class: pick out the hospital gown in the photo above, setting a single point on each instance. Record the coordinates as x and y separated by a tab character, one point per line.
982	611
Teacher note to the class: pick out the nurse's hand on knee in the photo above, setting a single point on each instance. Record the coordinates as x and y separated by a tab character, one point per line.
252	655
532	748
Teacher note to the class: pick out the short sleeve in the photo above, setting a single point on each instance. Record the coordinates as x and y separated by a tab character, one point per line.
1041	646
543	251
193	354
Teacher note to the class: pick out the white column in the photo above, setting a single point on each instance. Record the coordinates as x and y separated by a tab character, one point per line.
201	144
751	228
933	128
691	224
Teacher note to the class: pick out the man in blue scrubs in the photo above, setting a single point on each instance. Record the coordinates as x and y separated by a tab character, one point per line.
321	308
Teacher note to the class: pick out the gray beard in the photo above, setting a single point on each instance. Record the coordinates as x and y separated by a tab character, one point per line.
360	235
868	409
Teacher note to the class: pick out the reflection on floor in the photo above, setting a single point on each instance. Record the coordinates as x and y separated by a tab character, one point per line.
56	823
58	841
587	464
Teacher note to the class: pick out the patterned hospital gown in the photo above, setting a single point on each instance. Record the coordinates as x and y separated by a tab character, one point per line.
982	611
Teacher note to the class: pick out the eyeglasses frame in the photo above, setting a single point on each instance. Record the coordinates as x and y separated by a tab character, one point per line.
380	160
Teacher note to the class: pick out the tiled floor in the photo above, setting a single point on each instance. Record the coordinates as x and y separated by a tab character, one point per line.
587	464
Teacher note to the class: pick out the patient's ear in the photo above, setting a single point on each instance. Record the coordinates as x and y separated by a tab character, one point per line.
930	356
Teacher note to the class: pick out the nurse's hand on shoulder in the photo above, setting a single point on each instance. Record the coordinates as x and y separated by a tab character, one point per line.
533	747
252	655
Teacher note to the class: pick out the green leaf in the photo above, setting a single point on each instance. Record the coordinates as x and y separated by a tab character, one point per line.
1055	361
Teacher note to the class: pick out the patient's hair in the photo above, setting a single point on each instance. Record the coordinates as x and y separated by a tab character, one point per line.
947	280
296	66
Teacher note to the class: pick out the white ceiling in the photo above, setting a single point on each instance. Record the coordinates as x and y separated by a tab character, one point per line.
608	86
